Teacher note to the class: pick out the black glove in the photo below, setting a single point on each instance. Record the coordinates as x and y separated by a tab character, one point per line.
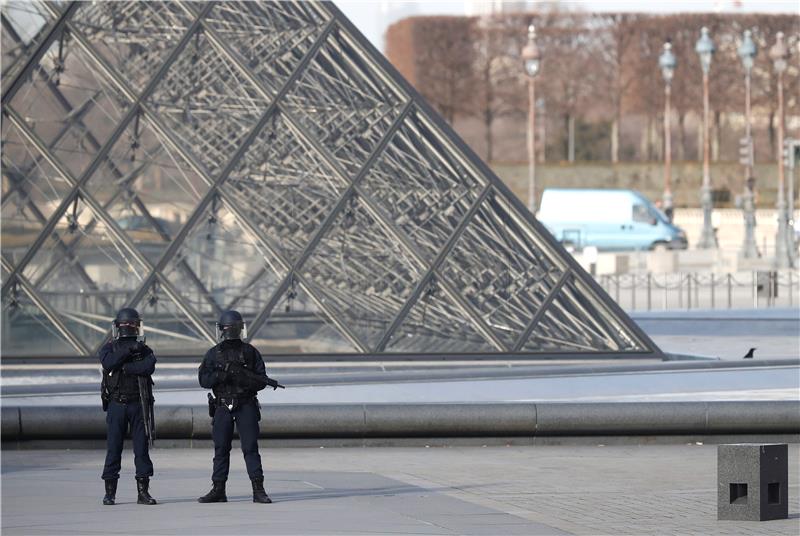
137	351
221	373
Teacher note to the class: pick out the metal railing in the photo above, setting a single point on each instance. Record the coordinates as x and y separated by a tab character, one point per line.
695	290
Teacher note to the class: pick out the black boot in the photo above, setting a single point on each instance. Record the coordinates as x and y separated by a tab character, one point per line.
142	485
111	491
259	495
217	493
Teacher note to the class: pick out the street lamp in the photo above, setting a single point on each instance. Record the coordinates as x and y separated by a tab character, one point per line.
747	53
531	60
705	49
667	63
779	53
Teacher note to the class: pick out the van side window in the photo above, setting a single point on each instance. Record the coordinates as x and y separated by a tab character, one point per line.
641	214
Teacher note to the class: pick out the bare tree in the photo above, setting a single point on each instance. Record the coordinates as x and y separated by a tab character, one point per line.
435	54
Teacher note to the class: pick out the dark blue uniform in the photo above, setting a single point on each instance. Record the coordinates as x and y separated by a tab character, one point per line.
124	360
235	371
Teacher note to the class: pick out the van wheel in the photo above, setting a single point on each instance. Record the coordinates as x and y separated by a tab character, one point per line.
659	246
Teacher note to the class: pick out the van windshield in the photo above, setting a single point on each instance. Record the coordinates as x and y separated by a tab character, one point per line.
647	213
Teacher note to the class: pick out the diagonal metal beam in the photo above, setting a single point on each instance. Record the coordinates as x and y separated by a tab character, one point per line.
231	203
528	221
48	312
278	293
246	289
396	233
77	118
88	229
63	248
24	47
93	141
100	213
440	257
523	338
214	184
234	58
113	138
194	317
331	217
33	60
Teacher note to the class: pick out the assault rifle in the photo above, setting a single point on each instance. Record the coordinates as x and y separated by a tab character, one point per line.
274	384
147	400
237	370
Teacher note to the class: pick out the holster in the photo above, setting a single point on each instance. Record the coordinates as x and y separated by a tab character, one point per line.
212	405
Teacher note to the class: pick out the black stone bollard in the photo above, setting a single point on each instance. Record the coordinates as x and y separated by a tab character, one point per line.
752	482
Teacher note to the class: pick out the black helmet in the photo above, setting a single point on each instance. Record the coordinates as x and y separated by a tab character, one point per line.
231	326
128	323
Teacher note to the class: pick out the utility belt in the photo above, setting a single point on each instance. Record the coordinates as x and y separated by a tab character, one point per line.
232	403
125	399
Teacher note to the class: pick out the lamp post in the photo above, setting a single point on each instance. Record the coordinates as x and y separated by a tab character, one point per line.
531	61
705	49
747	53
667	63
779	53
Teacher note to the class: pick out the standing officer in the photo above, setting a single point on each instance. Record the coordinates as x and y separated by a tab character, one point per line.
234	370
125	360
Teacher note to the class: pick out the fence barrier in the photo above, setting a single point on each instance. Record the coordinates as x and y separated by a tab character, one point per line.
695	290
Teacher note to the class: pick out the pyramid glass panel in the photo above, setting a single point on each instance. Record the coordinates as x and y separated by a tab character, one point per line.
344	102
147	188
436	324
27	331
207	103
133	37
217	261
501	270
166	325
576	321
271	38
423	187
69	104
81	238
284	188
80	303
32	190
297	325
361	272
24	24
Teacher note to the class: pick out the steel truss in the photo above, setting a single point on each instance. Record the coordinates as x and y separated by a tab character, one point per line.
184	158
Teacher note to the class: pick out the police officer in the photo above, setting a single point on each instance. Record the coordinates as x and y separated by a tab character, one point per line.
125	360
235	371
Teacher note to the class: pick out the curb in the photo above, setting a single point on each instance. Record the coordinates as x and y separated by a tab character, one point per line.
526	419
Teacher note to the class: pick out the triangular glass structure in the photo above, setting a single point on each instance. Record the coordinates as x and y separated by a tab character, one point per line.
297	325
190	157
167	325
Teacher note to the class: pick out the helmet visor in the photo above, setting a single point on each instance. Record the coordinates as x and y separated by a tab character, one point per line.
127	328
230	331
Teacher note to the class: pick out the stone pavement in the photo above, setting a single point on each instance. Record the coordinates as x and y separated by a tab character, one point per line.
587	490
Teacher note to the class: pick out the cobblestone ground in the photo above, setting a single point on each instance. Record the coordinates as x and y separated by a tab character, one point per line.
587	490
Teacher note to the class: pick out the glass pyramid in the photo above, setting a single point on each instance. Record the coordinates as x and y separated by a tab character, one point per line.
187	157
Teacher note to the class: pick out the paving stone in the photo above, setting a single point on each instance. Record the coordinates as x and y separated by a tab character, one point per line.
626	490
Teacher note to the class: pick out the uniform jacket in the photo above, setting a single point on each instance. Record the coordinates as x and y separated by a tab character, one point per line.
233	369
126	358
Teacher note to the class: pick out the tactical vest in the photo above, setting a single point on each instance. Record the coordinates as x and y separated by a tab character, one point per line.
230	351
121	383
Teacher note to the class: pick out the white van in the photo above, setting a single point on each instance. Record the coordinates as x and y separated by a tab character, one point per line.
608	220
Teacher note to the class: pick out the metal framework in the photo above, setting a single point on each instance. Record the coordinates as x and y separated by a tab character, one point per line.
185	158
